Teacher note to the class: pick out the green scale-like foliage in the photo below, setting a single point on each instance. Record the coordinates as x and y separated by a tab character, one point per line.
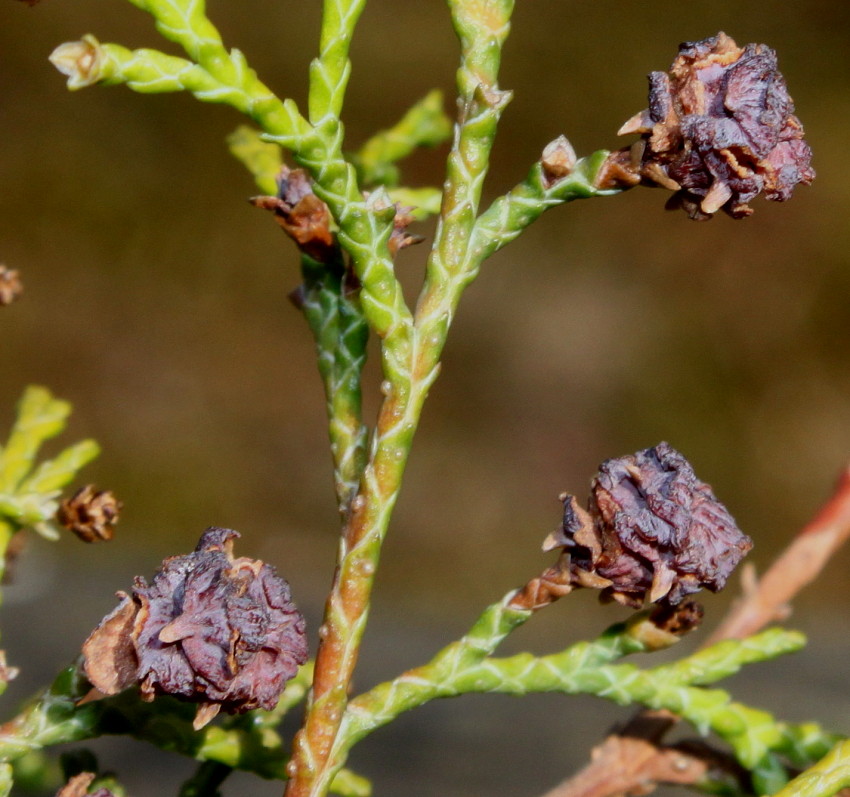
29	492
355	292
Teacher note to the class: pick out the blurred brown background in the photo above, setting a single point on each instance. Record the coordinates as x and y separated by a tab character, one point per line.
156	302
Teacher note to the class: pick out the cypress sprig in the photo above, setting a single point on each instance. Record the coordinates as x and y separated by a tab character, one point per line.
341	333
249	743
28	492
352	292
805	743
588	668
512	213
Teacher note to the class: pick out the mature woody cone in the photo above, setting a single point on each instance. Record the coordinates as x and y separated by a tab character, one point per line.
720	130
652	530
210	629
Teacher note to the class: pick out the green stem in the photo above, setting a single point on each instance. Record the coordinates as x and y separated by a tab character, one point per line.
341	333
40	417
410	361
495	623
251	743
439	677
329	73
827	777
186	24
512	213
586	668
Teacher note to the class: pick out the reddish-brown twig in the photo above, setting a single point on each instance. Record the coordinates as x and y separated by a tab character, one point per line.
768	598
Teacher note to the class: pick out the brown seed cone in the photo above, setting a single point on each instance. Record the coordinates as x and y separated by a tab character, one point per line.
211	629
652	530
720	129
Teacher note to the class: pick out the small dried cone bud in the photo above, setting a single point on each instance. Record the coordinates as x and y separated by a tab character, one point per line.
680	619
666	624
301	214
379	200
81	61
652	531
558	160
720	130
90	513
10	286
399	237
211	629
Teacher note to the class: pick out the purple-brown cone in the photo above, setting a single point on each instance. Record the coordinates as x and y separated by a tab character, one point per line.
720	129
211	629
652	530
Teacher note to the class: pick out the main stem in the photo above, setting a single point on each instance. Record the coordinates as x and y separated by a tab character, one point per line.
411	354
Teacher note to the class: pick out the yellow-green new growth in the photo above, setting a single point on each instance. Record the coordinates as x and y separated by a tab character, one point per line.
28	492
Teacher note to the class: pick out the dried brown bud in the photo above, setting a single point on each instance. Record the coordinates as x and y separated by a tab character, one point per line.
680	619
652	530
558	160
400	238
300	213
210	629
665	625
90	513
378	201
10	286
720	130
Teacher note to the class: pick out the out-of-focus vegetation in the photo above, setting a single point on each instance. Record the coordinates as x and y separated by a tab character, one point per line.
156	301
